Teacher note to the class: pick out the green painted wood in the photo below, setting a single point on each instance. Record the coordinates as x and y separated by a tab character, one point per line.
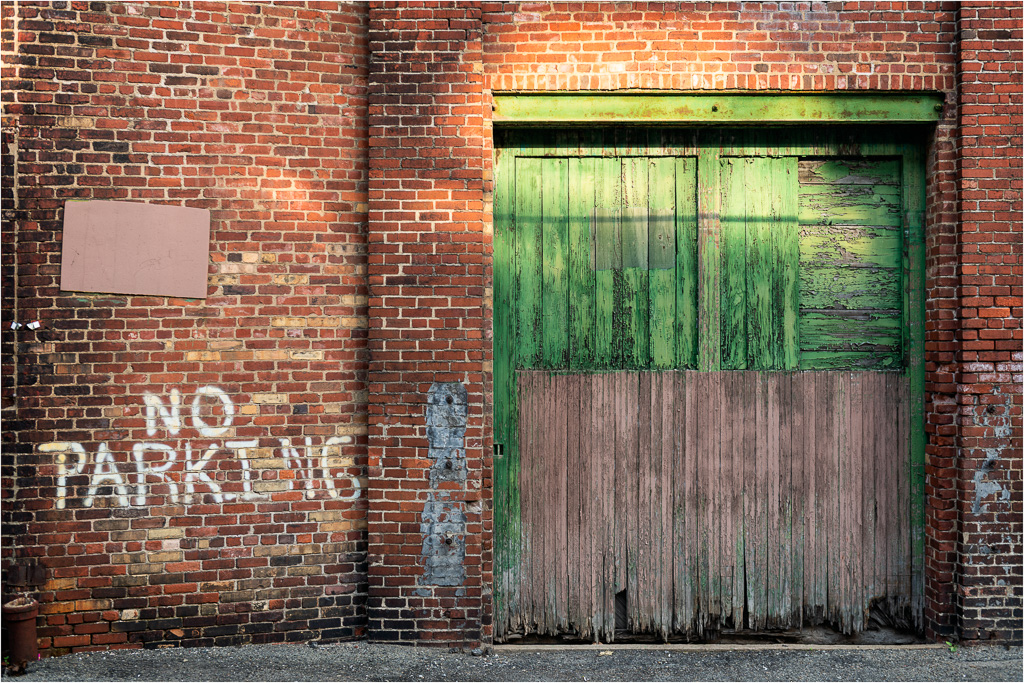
914	223
505	500
709	207
786	179
734	263
846	360
860	330
720	108
609	255
849	172
877	205
686	262
530	258
851	246
850	288
632	294
582	262
761	268
662	259
554	222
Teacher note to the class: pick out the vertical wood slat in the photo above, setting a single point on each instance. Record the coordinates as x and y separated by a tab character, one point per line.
641	601
574	505
773	503
824	493
795	517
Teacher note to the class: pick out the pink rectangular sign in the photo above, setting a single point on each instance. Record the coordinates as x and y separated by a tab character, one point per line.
131	248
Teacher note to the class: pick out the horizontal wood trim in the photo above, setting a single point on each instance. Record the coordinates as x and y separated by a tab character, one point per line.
715	108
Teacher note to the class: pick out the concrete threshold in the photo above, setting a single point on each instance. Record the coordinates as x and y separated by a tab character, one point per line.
709	647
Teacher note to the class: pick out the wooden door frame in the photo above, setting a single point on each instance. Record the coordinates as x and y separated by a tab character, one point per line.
551	110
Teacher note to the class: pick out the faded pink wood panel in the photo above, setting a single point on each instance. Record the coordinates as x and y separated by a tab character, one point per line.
131	248
729	501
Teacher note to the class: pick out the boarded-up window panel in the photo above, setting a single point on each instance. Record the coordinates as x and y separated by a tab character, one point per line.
129	248
851	297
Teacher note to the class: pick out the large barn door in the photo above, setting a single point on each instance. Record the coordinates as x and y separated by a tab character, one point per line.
706	383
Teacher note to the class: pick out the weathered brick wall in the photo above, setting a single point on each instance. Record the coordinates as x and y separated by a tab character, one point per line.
990	491
235	512
429	331
344	152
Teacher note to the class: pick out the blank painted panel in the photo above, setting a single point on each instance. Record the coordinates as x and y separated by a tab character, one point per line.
129	248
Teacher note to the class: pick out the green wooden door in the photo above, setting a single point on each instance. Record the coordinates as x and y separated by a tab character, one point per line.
688	285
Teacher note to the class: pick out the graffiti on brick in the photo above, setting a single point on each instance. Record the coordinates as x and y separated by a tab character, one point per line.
180	470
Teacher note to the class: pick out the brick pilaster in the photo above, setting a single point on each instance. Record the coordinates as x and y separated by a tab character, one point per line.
989	391
428	463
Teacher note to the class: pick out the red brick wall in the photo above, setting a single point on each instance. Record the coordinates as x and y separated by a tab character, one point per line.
256	112
428	254
989	499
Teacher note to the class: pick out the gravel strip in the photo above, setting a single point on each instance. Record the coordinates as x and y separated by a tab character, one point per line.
375	662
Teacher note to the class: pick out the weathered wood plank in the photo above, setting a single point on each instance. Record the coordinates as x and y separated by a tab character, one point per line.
846	246
608	257
873	393
788	236
849	171
668	485
689	507
602	417
849	288
529	257
761	267
859	330
826	497
773	501
530	495
846	360
709	199
800	495
640	576
721	582
811	552
913	183
686	262
634	450
633	293
504	399
734	263
849	205
839	413
786	495
555	268
574	506
662	263
582	263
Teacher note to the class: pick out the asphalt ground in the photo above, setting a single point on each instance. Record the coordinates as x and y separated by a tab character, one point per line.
376	662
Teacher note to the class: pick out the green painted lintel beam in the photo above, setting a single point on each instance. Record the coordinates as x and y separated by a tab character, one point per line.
715	108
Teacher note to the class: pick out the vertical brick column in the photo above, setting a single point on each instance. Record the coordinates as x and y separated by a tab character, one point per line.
990	491
428	467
